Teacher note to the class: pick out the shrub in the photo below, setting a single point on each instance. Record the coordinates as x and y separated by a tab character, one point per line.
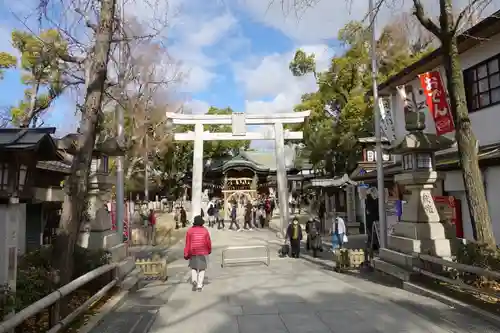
474	254
35	276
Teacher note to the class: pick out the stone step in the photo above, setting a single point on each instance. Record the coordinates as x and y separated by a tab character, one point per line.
118	252
435	247
419	230
404	244
397	258
391	269
132	280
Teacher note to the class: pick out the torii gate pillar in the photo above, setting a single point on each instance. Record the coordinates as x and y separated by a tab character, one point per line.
239	121
197	181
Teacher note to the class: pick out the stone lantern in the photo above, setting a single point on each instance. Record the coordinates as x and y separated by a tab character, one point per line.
420	229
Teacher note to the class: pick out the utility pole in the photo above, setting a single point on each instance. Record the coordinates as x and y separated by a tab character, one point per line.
378	132
120	199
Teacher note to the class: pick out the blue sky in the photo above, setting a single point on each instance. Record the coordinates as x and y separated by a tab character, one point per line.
231	53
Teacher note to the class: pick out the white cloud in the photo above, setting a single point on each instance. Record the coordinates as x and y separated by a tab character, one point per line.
196	107
194	31
324	18
270	86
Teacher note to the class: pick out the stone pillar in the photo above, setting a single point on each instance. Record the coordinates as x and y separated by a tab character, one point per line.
196	188
420	229
11	216
97	233
281	175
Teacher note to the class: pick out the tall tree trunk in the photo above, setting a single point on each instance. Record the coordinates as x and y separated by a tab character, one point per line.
466	140
77	184
473	180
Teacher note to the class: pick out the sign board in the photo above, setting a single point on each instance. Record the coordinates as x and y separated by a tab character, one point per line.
371	156
437	101
238	123
450	211
392	213
126	220
386	120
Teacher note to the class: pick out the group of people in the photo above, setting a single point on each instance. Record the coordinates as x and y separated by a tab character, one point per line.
198	245
253	214
314	241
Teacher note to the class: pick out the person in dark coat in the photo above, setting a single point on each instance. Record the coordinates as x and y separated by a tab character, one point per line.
248	216
183	216
314	241
294	235
234	217
372	215
321	215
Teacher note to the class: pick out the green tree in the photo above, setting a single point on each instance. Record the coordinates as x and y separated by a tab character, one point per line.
43	73
340	113
6	61
303	64
220	148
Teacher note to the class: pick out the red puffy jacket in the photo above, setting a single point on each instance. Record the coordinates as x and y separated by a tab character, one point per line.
198	242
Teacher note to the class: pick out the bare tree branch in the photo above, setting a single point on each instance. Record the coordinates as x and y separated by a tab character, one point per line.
424	19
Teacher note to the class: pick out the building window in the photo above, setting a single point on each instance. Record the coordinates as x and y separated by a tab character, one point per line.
482	84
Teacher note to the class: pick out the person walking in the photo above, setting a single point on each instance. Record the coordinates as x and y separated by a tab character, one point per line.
211	214
218	218
183	216
338	232
248	216
314	241
233	217
197	249
268	209
294	235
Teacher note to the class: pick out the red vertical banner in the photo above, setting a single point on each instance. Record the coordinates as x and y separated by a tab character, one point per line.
113	215
126	224
437	101
450	210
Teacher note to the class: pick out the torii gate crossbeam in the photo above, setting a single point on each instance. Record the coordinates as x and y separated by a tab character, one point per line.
239	121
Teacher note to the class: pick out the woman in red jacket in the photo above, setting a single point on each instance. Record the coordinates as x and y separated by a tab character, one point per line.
198	247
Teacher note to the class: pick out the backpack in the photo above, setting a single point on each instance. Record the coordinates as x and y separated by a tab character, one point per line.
295	232
210	211
313	231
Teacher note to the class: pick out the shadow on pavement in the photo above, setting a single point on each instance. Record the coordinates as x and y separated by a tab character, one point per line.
289	296
259	310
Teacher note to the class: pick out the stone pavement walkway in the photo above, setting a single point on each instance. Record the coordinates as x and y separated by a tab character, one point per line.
289	296
166	237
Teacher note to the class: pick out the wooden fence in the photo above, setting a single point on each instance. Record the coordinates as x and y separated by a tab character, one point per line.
154	268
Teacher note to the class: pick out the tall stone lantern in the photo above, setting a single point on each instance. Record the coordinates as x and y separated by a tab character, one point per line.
420	229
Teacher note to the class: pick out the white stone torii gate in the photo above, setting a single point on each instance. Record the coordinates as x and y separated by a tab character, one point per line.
239	121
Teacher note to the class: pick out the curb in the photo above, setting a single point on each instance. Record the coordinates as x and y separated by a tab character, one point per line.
107	308
471	309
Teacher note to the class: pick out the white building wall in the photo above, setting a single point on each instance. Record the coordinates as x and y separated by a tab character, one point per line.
484	122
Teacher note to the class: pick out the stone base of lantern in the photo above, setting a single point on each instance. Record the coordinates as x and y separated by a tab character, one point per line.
420	230
97	233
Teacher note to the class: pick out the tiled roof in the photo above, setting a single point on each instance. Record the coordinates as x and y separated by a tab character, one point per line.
35	139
